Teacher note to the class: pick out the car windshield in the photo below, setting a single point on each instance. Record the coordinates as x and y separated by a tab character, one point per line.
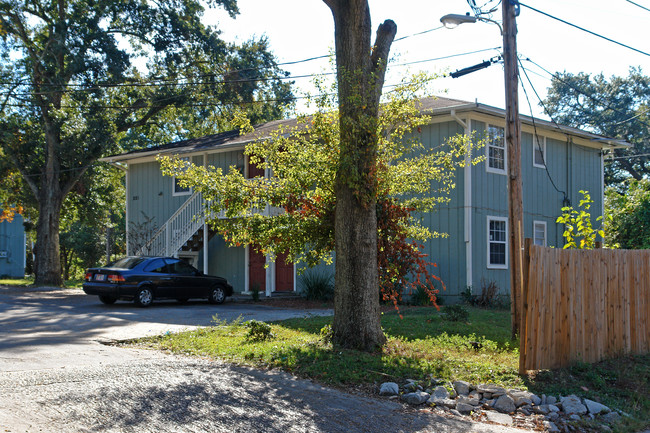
126	263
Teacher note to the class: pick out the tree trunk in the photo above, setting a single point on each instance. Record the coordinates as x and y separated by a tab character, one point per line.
47	266
360	75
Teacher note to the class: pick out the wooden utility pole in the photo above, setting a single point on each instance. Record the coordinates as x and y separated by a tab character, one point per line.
513	140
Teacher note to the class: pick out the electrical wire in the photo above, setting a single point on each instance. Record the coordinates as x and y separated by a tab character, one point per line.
584	30
536	137
636	4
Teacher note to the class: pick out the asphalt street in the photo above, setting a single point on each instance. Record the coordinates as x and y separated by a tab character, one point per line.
57	376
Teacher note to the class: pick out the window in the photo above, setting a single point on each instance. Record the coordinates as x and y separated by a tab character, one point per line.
539	233
496	150
157	265
539	151
177	188
497	243
177	266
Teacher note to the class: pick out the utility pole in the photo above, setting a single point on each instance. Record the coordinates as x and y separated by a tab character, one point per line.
513	140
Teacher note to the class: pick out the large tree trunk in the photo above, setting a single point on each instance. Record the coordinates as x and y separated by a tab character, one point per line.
360	74
47	266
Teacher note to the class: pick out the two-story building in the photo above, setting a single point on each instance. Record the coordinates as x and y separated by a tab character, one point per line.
556	161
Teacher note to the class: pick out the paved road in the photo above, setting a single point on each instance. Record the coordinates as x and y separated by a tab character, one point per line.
56	376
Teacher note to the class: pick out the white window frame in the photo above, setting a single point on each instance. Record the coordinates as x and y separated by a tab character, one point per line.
489	145
542	143
537	224
174	184
489	242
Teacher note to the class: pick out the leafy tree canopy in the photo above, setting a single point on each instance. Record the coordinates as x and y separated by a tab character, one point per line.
618	107
81	79
628	222
300	195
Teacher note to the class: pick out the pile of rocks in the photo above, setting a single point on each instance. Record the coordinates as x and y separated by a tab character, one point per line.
504	406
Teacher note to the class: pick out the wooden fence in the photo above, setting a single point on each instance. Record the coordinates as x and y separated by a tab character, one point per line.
582	305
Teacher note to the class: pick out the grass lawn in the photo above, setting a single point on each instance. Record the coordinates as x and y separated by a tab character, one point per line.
420	346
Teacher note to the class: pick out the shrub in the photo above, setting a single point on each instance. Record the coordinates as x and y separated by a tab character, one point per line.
420	297
258	331
456	313
326	334
255	292
318	285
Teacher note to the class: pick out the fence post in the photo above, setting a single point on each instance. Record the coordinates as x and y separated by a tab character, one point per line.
523	306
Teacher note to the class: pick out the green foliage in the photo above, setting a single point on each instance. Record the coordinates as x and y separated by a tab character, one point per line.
317	285
420	297
258	331
255	292
488	298
85	79
613	107
578	230
326	334
456	313
304	160
628	215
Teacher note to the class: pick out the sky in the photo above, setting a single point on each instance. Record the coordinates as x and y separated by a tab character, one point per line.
302	29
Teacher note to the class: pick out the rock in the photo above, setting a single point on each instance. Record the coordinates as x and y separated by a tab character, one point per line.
505	404
536	399
573	405
499	418
487	395
551	400
462	387
553	408
475	394
551	427
595	407
455	412
490	402
412	386
468	400
443	402
415	398
464	408
552	416
574	417
610	418
543	409
440	392
525	410
496	391
389	388
521	397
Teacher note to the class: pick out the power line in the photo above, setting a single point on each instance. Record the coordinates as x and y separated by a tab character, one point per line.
167	83
636	4
585	30
536	137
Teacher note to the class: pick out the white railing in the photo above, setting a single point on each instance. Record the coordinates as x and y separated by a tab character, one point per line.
178	229
182	225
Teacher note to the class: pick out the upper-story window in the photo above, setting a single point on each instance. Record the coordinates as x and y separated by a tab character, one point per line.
539	151
177	188
496	150
539	233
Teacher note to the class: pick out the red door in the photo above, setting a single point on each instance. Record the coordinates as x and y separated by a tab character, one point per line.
254	171
283	274
256	270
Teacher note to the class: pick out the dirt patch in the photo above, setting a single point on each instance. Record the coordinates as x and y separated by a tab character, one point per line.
293	302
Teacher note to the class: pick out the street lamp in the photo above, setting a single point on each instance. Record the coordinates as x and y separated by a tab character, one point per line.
451	21
513	139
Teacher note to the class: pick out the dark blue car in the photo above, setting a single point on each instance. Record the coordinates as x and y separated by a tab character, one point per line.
143	279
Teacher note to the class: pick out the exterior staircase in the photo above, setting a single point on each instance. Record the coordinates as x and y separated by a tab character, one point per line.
183	231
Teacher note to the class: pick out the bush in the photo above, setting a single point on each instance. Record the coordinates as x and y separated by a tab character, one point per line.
258	331
456	313
489	297
326	334
317	285
255	292
420	297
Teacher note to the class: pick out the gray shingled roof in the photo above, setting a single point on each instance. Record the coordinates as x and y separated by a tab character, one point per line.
234	139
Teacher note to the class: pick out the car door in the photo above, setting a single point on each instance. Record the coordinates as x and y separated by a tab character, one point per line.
157	272
184	279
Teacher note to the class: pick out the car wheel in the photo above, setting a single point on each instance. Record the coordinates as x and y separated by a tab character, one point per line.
108	300
144	297
217	295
